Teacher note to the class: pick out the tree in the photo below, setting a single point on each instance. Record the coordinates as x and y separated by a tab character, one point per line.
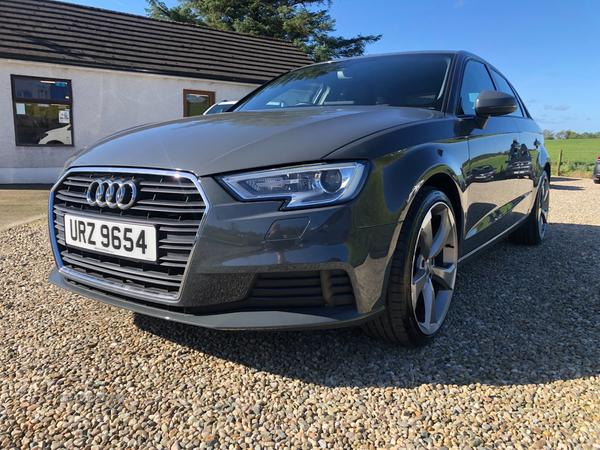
549	135
309	29
181	13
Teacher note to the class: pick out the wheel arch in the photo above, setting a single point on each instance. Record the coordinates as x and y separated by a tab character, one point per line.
446	184
547	169
385	326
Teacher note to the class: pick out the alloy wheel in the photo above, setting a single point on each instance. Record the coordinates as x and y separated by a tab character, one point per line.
434	268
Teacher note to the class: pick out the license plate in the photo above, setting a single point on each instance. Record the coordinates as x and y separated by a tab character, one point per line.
113	238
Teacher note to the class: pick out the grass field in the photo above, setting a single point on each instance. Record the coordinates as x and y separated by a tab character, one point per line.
574	150
579	155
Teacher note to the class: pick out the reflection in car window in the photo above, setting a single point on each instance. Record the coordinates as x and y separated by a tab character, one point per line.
415	80
475	79
27	87
503	86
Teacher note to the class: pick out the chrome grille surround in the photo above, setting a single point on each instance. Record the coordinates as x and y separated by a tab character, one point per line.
131	280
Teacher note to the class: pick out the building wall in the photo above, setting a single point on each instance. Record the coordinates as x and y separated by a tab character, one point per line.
104	102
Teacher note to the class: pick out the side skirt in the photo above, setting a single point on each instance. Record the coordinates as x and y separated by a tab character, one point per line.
466	258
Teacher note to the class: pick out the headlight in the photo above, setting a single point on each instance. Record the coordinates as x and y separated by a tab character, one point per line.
301	186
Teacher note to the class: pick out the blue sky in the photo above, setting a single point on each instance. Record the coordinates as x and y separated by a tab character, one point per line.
549	50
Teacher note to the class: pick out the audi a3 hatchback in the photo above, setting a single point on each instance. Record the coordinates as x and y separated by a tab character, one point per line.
338	194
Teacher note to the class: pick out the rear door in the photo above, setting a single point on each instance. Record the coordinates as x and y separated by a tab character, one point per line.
491	193
525	159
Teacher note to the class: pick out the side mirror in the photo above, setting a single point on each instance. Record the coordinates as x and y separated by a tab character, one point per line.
493	103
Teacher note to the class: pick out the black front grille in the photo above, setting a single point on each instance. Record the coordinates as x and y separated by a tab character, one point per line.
170	202
301	289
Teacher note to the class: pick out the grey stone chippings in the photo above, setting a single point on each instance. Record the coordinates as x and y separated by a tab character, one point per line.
516	366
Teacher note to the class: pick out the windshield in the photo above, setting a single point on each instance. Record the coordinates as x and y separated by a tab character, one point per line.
415	80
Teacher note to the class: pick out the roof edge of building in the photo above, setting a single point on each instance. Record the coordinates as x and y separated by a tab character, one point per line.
174	73
184	24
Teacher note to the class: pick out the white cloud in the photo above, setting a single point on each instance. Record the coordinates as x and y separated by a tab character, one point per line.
556	108
551	120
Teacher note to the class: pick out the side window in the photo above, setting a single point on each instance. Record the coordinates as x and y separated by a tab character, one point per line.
503	86
475	79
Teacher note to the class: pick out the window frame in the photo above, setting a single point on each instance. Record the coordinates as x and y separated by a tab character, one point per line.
512	89
15	100
524	111
458	106
210	94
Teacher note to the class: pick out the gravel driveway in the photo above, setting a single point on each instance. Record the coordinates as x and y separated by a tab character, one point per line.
516	366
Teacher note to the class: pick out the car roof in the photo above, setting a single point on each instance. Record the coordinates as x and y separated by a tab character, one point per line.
461	54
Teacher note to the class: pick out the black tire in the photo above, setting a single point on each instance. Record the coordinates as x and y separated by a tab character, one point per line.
399	323
533	231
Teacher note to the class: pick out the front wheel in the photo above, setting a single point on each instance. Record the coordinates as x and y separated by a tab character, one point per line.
423	273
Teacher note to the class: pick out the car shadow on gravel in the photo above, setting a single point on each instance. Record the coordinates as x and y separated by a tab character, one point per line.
560	187
565	179
520	315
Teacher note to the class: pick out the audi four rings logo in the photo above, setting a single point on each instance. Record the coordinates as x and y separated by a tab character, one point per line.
112	193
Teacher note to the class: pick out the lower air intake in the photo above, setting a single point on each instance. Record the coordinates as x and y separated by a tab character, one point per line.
302	289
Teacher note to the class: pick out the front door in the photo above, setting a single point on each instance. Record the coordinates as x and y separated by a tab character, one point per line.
491	192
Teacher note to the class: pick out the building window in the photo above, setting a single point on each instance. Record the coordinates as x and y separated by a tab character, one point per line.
43	112
196	102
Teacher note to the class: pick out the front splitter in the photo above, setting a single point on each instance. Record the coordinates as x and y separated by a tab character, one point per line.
289	319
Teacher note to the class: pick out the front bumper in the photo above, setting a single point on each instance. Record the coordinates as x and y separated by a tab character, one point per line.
293	318
232	254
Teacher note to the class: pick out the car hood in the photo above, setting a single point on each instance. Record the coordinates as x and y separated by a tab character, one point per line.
229	142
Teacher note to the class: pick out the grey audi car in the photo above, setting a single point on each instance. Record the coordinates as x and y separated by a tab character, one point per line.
342	193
